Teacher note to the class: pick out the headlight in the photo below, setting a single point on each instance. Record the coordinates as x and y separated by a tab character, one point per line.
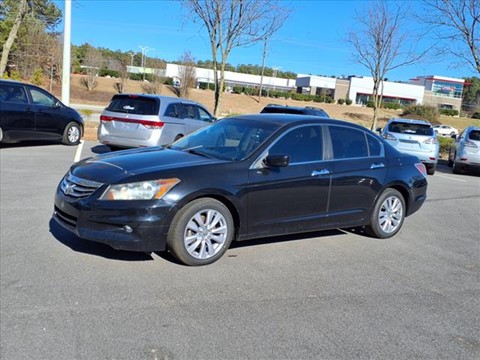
143	190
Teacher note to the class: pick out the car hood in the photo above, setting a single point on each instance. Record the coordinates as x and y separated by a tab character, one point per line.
113	167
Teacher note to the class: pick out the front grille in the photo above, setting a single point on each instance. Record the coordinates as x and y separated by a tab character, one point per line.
78	188
65	218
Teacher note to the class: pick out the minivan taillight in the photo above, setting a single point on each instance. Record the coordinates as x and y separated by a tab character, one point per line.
146	123
389	136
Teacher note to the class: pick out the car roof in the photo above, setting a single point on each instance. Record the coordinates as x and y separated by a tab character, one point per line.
281	119
160	97
293	107
409	121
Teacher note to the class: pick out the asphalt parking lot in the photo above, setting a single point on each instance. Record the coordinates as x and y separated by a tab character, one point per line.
328	295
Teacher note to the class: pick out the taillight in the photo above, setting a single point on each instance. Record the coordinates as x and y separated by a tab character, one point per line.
421	168
106	118
389	136
431	141
146	123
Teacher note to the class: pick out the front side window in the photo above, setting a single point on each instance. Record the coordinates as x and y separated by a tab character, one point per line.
303	144
348	143
41	98
190	111
204	115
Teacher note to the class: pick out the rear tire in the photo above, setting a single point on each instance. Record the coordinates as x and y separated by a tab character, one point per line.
1	134
72	134
388	214
201	232
457	168
431	169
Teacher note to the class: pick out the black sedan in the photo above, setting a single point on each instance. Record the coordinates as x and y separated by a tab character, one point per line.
241	178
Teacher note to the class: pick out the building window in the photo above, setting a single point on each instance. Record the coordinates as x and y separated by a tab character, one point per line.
444	88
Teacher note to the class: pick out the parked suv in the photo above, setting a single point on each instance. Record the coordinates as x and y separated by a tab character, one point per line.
281	109
415	137
28	112
464	153
133	120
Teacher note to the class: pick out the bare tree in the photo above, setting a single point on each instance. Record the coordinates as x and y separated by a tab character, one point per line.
153	87
91	65
382	43
234	23
455	23
186	73
122	75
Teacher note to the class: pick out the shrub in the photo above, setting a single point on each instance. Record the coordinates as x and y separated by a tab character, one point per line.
348	101
445	144
449	112
393	106
14	75
107	72
421	112
37	77
341	101
476	115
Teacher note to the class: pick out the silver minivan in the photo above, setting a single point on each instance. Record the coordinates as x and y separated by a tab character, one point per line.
138	120
415	137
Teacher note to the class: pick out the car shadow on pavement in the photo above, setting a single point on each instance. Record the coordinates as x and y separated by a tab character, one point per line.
101	149
284	238
92	248
30	144
442	167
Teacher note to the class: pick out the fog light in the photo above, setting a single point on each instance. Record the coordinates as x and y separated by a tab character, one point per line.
128	229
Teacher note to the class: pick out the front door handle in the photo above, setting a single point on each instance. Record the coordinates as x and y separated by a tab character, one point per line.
377	166
320	172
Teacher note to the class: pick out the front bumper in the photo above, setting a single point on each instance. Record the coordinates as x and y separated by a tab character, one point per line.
123	225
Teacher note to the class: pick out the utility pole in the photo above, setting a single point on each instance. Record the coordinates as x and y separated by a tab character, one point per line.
263	68
67	21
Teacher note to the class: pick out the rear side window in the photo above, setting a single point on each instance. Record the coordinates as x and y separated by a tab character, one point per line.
410	129
13	94
474	135
374	146
348	143
133	105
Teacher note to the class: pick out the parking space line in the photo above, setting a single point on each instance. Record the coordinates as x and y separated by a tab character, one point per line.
78	153
451	178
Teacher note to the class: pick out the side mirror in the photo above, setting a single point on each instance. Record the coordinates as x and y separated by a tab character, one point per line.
276	161
57	104
379	130
454	136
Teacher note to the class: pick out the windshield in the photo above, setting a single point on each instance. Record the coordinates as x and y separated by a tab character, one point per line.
228	139
410	129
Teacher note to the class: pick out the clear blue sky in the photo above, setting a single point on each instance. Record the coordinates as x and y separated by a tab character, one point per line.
312	40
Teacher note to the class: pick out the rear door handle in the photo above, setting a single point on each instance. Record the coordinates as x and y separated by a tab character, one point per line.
320	172
377	166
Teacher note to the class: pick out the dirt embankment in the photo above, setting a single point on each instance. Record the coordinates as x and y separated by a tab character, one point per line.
230	103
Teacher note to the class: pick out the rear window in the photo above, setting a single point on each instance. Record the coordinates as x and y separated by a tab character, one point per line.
133	105
281	110
411	129
474	135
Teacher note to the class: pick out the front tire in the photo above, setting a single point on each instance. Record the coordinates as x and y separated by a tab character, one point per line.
72	134
388	214
201	232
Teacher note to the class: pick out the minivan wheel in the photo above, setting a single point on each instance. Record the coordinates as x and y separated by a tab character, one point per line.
1	134
71	134
457	168
201	232
431	169
388	215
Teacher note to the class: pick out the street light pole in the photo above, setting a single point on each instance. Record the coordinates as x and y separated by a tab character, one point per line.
144	51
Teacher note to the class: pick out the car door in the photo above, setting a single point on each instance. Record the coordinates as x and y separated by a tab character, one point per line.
17	118
50	120
292	198
359	170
